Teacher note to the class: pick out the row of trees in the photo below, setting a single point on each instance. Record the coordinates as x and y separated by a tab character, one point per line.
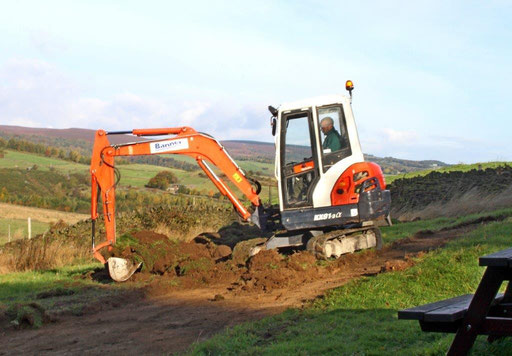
82	155
18	144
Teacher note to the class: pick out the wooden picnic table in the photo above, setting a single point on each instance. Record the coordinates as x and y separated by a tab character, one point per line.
487	312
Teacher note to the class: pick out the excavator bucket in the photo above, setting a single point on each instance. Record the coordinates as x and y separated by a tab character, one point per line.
121	269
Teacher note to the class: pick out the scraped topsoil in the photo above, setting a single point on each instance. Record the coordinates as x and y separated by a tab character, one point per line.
196	289
202	262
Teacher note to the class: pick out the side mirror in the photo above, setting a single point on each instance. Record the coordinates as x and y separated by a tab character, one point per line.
273	120
273	123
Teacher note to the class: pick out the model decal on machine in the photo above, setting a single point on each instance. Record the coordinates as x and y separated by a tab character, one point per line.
327	216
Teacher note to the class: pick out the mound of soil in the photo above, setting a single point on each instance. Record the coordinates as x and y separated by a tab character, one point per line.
160	255
185	265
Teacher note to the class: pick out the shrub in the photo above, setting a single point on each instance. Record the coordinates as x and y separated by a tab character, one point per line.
162	180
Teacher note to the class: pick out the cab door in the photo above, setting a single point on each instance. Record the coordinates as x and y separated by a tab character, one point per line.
298	158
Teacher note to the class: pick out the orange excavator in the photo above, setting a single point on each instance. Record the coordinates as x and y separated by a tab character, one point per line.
329	197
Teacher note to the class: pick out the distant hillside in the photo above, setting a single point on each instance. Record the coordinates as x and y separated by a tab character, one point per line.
263	152
392	165
72	134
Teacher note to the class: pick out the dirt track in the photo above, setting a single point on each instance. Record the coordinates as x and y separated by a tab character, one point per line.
169	322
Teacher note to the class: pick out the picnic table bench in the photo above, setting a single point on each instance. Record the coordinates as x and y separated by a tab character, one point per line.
487	312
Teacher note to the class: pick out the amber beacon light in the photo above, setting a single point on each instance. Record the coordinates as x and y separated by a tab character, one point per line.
349	86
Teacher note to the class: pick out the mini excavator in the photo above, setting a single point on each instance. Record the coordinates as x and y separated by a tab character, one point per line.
329	197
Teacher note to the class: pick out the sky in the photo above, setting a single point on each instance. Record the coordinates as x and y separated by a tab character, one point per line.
432	78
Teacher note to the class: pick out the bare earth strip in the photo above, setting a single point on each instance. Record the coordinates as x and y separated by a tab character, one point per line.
11	211
170	322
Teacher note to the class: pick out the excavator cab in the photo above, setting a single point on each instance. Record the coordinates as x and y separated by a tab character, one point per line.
311	141
324	183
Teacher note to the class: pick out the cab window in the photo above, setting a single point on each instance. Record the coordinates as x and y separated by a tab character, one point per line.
333	133
299	170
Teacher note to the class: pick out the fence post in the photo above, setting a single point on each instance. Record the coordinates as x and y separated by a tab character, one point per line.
9	233
29	229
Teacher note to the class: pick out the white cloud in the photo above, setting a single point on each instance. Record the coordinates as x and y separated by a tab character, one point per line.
190	115
46	42
400	137
33	91
36	93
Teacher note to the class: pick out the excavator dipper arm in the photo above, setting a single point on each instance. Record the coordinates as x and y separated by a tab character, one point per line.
186	141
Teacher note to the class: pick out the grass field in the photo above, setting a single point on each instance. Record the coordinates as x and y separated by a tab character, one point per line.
16	216
453	168
23	160
19	229
10	211
135	175
360	318
263	168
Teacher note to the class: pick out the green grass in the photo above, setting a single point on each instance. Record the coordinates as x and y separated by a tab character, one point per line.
19	229
264	168
65	288
402	230
453	168
135	175
22	287
361	316
23	160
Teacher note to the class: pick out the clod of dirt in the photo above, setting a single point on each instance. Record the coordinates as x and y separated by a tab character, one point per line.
161	255
206	237
301	261
221	252
242	250
267	259
28	315
396	265
218	297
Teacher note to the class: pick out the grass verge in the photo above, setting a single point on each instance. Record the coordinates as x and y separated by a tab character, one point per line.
30	299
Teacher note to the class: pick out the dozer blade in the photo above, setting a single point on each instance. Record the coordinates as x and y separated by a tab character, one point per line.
121	269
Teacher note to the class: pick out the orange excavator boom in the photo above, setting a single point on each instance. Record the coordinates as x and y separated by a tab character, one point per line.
186	141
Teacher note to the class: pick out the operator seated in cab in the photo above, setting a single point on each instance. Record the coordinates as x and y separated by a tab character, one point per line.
332	140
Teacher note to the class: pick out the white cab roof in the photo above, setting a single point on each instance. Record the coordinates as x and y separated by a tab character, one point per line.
317	101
